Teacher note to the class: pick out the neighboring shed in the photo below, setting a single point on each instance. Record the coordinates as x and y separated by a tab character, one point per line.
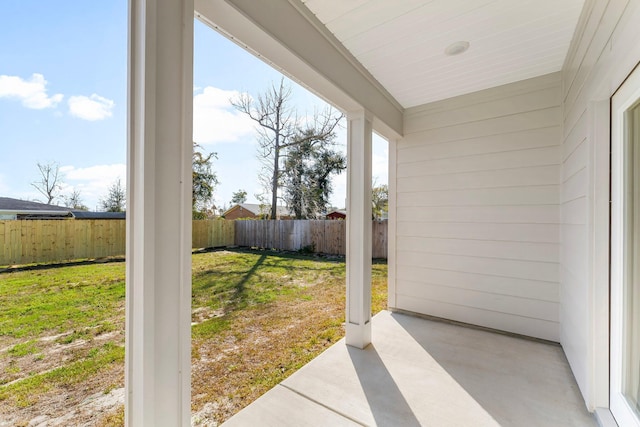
337	214
254	211
24	209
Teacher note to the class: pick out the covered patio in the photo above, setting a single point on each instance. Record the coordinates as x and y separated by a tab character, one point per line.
501	129
420	372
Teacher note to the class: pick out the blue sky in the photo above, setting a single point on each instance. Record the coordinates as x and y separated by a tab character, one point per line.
63	71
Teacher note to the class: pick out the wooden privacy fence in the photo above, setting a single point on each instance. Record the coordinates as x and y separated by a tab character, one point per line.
320	236
212	233
31	241
35	241
28	241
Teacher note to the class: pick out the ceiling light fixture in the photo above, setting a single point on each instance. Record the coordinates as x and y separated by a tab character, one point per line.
457	48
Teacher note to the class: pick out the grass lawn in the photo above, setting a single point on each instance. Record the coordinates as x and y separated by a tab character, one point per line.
257	317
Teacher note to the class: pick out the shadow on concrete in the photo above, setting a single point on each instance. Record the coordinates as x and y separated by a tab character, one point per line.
516	380
388	405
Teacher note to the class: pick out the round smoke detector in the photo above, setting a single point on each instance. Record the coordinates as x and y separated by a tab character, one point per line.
457	48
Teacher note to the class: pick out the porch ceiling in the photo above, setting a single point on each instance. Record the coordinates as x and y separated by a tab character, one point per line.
402	43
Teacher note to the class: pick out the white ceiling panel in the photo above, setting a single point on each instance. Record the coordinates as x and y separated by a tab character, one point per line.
402	42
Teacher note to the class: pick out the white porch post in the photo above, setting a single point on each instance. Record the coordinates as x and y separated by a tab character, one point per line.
358	316
160	93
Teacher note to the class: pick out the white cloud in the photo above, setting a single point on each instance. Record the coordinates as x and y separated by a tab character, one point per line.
92	108
380	160
93	182
32	93
216	120
339	195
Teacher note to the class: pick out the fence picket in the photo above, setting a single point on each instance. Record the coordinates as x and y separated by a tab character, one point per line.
34	241
326	236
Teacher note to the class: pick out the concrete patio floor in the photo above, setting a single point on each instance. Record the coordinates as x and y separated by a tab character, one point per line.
422	372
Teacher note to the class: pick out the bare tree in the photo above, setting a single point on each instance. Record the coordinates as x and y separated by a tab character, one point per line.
277	124
50	181
74	201
278	127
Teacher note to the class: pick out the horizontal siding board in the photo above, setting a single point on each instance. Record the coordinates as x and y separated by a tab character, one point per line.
536	175
524	288
575	339
533	138
606	25
517	122
576	186
574	291
582	39
574	136
506	214
576	161
601	55
613	66
533	270
575	342
575	211
515	104
495	161
540	233
507	304
532	195
523	251
483	96
575	260
477	225
491	319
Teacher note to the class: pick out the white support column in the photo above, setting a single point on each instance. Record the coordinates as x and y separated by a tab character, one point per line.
158	332
392	225
358	316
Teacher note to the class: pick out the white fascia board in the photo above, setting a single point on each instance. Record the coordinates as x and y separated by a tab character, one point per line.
288	37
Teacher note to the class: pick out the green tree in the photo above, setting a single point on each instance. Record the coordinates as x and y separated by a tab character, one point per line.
205	181
306	180
379	201
116	198
279	130
239	197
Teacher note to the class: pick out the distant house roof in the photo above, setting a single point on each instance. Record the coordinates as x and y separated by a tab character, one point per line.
16	208
98	215
338	211
254	208
9	204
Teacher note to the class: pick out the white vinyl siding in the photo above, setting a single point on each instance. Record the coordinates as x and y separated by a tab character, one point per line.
477	208
604	50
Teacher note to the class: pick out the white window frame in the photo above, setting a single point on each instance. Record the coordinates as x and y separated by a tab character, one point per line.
623	100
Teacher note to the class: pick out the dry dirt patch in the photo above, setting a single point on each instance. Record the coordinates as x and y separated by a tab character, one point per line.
257	318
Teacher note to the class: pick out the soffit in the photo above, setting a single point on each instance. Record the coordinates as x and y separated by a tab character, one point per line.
402	42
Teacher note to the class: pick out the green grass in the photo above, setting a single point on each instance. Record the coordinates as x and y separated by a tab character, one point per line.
23	349
59	299
259	315
240	280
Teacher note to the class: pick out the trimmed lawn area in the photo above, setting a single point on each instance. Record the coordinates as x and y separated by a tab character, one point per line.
257	317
